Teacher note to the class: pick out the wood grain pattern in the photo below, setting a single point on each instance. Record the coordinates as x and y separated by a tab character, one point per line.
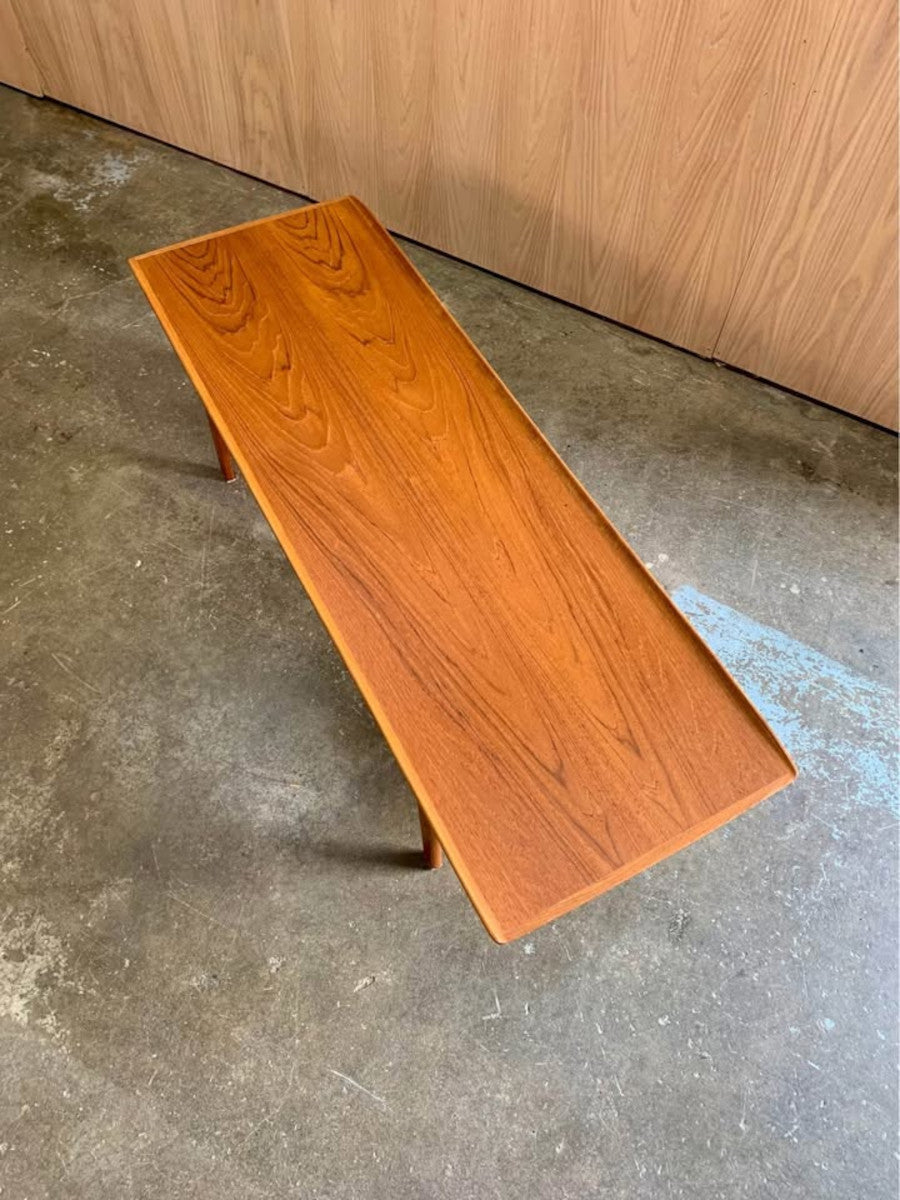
560	723
618	155
817	304
16	64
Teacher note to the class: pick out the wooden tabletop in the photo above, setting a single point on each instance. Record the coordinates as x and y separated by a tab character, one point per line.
561	724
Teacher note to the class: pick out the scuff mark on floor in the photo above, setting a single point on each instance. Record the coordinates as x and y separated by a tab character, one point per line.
110	172
30	956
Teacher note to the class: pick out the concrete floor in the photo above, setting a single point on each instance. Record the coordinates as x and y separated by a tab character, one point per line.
221	974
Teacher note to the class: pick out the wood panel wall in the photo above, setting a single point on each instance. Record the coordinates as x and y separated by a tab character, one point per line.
816	307
622	155
16	64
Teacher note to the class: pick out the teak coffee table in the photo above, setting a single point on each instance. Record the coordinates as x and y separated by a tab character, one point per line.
561	724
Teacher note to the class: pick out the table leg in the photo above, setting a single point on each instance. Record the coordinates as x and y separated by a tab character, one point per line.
434	855
224	454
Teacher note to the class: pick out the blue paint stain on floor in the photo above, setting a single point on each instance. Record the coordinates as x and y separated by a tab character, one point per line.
839	727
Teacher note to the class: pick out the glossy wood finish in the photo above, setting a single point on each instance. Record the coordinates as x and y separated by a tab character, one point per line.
620	155
560	723
16	64
817	305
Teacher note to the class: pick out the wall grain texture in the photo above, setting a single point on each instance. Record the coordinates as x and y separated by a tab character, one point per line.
816	308
16	64
623	156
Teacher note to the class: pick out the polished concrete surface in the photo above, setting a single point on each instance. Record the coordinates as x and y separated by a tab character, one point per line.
223	972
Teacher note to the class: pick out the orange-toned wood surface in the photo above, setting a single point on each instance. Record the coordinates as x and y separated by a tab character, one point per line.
560	723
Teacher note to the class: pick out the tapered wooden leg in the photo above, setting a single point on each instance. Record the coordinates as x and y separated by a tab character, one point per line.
225	460
434	855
